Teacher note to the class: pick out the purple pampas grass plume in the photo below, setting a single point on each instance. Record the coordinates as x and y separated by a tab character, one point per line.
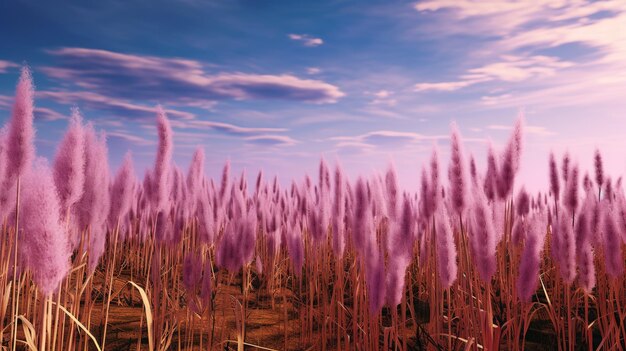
375	278
597	161
324	200
565	167
446	251
295	247
608	190
362	221
587	184
473	172
162	165
456	173
434	179
554	177
339	213
570	196
43	245
510	160
518	233
491	176
522	205
225	184
483	236
206	218
69	164
425	196
566	250
95	203
584	252
122	191
528	279
21	134
391	182
195	176
613	260
401	239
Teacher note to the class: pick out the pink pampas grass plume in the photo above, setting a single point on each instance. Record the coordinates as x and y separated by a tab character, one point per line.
456	173
434	179
584	252
483	236
554	177
122	191
566	249
69	163
391	185
339	212
510	161
528	279
93	208
363	223
565	166
570	196
597	161
162	165
425	196
375	278
21	134
473	172
194	177
613	260
43	245
522	205
206	218
446	251
401	237
491	176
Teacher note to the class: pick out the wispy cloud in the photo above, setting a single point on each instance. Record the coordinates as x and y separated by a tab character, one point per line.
306	39
168	79
520	34
118	107
313	70
271	140
4	65
232	129
384	137
509	69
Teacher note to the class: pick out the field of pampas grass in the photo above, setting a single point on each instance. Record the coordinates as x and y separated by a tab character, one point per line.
95	259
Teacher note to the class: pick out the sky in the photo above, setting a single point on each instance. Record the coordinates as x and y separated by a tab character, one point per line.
276	85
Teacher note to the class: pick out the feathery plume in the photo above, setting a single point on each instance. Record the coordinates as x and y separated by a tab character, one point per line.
483	238
339	213
446	251
69	164
491	175
43	245
162	165
528	279
391	182
21	134
194	177
597	161
456	172
554	177
122	191
612	246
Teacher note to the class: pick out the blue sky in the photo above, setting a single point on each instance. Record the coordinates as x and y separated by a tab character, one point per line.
278	84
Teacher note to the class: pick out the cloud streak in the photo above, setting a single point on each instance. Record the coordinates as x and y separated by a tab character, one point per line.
5	65
306	39
168	79
118	107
